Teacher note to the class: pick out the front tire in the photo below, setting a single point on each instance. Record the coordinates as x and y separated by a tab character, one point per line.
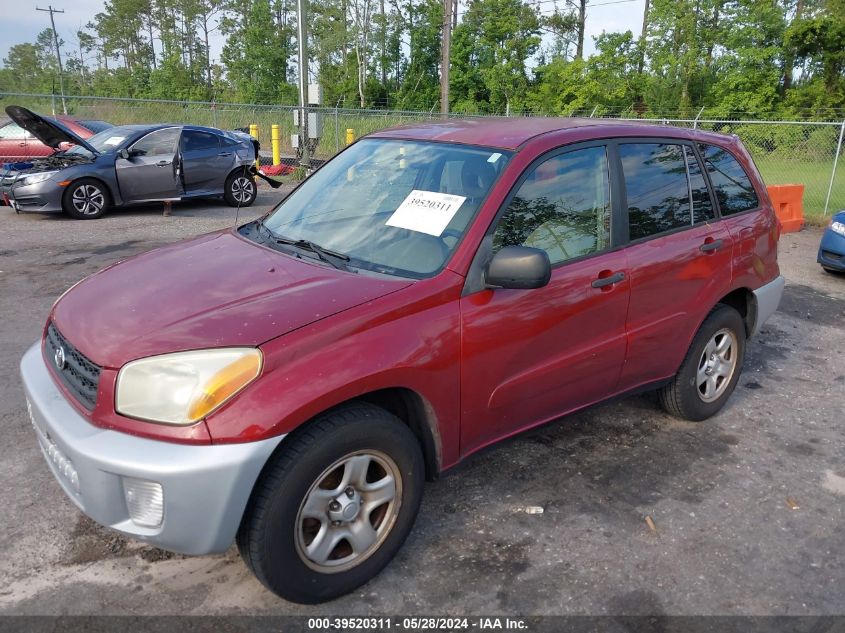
334	506
240	189
711	369
86	199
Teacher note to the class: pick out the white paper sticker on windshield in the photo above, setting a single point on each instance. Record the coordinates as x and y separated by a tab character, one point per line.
113	140
494	157
426	212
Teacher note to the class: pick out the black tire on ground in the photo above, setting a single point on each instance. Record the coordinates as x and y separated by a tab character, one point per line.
86	199
273	536
686	395
240	189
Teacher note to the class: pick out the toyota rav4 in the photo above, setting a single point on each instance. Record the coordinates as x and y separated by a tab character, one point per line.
289	384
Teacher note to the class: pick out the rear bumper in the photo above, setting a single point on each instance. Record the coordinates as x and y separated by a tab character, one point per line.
767	299
205	488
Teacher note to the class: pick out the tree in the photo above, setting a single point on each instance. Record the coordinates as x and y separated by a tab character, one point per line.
491	49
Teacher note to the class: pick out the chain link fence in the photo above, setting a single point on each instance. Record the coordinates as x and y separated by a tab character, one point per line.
786	152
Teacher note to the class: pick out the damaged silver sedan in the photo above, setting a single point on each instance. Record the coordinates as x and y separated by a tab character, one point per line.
126	165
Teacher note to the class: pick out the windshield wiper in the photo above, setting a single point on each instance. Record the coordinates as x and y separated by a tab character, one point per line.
329	256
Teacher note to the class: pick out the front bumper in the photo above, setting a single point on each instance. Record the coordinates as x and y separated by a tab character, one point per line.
767	299
42	196
832	251
206	488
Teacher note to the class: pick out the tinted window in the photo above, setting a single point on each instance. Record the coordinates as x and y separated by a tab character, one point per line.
730	182
657	187
563	207
158	143
193	140
702	205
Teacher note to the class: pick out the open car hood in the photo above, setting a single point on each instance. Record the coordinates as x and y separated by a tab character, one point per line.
50	132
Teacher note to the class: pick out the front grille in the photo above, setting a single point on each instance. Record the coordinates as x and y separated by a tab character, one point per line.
830	255
78	374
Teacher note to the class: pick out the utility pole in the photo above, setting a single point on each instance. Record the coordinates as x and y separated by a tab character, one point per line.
51	11
582	20
445	45
302	36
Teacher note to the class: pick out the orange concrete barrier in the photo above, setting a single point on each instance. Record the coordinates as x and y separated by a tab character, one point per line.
788	201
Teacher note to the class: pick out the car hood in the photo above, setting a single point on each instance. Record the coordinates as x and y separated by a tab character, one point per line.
213	291
50	132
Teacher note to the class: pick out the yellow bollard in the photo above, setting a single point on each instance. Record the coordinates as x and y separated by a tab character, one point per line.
277	144
350	136
253	132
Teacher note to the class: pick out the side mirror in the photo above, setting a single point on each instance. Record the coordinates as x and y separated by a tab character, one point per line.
124	154
519	267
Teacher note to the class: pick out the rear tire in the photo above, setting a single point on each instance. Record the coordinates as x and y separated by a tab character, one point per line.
240	189
334	505
86	199
711	368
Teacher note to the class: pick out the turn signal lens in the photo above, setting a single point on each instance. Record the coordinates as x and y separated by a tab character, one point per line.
225	384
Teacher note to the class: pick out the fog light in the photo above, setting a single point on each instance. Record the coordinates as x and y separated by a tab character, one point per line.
144	500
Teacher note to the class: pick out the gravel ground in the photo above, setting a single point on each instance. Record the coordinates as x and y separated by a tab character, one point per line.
745	511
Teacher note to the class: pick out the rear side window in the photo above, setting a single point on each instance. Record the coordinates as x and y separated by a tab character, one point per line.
562	207
731	184
657	186
702	205
194	141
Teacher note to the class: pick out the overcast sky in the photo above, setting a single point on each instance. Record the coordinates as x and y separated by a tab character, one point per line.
24	23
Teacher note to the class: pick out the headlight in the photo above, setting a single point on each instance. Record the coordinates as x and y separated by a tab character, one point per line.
184	387
838	227
36	178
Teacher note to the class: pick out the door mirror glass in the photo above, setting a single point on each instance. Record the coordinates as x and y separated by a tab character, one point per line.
124	154
519	267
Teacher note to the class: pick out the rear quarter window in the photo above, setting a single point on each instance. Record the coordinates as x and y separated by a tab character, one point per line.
731	183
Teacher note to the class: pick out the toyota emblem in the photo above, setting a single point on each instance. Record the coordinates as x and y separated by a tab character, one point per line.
59	358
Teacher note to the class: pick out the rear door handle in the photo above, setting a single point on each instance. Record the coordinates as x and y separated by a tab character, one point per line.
163	163
601	282
709	247
225	154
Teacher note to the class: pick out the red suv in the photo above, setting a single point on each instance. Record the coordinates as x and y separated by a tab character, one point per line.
432	289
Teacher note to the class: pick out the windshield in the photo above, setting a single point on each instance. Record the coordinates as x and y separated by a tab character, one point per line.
104	141
394	207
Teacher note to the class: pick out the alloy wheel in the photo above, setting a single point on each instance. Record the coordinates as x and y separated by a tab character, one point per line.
88	199
348	511
242	189
717	365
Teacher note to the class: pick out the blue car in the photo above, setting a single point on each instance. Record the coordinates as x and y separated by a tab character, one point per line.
832	249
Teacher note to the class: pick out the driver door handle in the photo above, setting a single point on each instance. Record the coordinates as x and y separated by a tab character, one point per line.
163	163
225	154
615	278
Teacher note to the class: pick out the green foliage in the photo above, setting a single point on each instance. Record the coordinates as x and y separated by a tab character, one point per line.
734	58
492	47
